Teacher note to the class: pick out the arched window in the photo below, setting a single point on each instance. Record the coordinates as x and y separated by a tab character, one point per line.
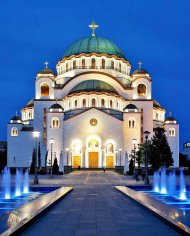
156	116
84	102
102	103
172	132
141	90
76	103
111	104
29	115
109	148
14	131
112	65
93	102
119	67
131	123
83	63
74	65
103	64
93	63
67	67
118	105
68	104
55	122
45	89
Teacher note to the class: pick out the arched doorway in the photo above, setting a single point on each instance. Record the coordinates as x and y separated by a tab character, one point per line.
109	155
76	154
93	152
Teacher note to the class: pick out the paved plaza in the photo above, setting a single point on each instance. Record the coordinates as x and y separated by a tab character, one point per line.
94	207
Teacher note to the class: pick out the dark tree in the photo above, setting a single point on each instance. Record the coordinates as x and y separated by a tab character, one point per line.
46	158
140	155
3	159
159	151
39	156
55	166
183	160
131	167
32	167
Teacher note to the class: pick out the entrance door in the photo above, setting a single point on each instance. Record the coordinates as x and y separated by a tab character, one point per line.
93	159
76	161
109	162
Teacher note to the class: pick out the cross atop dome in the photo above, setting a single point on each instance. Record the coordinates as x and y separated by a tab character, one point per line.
46	63
93	26
140	64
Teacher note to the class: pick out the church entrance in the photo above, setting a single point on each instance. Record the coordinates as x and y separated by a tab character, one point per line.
109	162
93	159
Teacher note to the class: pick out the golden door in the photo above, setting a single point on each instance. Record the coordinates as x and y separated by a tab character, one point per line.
76	161
109	162
93	159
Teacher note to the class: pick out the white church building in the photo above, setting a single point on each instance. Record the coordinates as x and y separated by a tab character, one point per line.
93	108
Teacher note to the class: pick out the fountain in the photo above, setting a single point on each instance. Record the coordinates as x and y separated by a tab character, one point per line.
182	190
18	182
172	183
7	183
163	189
156	181
26	182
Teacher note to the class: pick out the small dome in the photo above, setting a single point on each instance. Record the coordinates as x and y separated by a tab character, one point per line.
46	71
56	106
93	44
140	70
16	118
130	107
170	118
30	103
93	86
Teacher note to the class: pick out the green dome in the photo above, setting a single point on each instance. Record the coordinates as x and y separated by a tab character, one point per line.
93	85
93	44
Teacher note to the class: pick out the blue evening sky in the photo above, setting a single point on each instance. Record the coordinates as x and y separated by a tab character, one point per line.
156	32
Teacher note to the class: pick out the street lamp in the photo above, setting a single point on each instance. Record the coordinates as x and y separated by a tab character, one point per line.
146	133
36	135
120	149
134	141
67	151
51	142
72	158
116	152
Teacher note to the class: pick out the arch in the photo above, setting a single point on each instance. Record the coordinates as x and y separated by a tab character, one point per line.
119	66
74	65
76	104
76	146
68	105
29	115
83	64
93	140
67	67
14	131
44	89
93	102
84	102
103	64
55	122
131	123
172	132
112	65
141	90
157	116
102	102
111	104
93	63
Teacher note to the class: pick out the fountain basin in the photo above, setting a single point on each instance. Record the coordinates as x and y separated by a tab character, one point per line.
170	214
14	221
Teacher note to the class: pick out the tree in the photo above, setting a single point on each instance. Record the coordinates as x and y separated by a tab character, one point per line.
55	166
159	152
140	155
131	167
183	160
3	159
32	166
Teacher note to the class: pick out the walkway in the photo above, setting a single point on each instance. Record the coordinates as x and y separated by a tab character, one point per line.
96	208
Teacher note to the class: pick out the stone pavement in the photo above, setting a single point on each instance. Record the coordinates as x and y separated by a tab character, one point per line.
94	207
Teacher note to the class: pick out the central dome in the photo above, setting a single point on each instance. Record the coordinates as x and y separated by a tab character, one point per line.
93	44
93	86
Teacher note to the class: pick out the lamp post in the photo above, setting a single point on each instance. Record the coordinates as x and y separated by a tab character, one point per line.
116	152
36	135
51	143
146	133
72	158
134	141
120	150
67	151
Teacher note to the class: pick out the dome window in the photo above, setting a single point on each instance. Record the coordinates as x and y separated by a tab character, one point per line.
83	64
55	122
93	102
112	65
84	102
103	64
93	63
141	90
14	131
74	65
67	67
119	67
102	103
76	103
172	132
111	104
45	89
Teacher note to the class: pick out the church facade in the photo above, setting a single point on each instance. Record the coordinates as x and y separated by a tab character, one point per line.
93	109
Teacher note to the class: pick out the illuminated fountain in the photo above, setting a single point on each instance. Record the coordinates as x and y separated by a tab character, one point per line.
156	181
26	182
18	182
172	183
163	188
7	183
182	189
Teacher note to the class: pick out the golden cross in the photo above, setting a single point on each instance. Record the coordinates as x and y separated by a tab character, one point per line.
46	63
140	64
93	26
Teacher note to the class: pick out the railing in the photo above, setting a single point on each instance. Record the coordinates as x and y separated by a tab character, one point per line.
93	67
